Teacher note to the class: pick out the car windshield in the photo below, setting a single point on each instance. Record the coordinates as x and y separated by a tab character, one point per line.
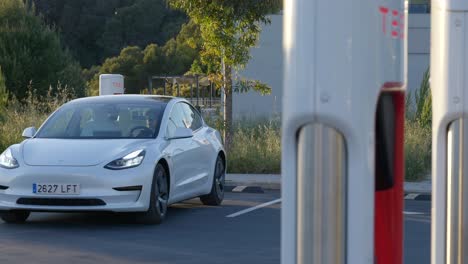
104	121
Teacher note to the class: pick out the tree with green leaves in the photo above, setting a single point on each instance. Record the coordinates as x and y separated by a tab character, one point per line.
97	29
31	54
129	63
228	29
132	26
174	58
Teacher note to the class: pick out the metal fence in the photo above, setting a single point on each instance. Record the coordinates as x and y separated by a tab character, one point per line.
202	96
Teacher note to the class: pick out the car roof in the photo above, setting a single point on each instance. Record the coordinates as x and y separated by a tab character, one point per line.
125	98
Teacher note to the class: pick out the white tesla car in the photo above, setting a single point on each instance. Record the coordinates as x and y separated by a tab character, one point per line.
125	153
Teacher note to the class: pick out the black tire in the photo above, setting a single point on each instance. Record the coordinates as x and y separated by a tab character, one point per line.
159	196
216	196
15	217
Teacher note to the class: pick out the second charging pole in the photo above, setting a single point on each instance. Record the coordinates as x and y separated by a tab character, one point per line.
449	86
342	131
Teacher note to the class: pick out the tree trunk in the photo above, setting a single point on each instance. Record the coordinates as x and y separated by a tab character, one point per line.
228	132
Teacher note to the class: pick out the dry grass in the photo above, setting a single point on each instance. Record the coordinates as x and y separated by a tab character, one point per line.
256	144
256	148
418	141
32	111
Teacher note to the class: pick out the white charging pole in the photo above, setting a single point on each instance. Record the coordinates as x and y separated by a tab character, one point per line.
449	86
344	93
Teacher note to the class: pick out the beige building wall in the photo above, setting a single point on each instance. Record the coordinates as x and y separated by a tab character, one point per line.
266	65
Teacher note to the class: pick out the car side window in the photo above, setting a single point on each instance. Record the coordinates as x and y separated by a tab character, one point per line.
197	120
176	119
192	117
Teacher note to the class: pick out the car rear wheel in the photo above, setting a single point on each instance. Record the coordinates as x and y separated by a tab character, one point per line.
216	196
159	196
15	217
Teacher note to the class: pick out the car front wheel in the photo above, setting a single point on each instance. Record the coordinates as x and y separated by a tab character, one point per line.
216	196
159	197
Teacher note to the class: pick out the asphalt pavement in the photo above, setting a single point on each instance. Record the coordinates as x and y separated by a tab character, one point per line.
192	233
417	232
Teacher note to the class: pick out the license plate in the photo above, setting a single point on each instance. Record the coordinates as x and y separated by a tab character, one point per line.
52	188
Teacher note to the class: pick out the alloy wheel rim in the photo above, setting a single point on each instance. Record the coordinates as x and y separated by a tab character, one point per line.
220	178
162	193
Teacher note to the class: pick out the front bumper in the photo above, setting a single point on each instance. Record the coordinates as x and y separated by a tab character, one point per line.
96	184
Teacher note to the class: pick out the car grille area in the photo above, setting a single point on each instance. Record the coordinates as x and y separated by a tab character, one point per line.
60	202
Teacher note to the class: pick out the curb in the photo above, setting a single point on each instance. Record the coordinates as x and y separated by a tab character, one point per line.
258	189
263	181
258	183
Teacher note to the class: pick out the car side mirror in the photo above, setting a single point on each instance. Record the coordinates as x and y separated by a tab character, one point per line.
182	132
29	132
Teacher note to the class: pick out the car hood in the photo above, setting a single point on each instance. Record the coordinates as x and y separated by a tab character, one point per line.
76	152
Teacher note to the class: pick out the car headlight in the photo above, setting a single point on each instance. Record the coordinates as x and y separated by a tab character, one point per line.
7	160
129	161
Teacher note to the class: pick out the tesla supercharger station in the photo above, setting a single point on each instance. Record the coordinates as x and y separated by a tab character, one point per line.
449	85
110	84
343	120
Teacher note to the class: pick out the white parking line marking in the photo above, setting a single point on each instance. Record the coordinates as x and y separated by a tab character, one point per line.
239	188
412	213
254	208
411	196
248	210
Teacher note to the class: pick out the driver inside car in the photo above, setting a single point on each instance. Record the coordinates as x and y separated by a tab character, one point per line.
151	123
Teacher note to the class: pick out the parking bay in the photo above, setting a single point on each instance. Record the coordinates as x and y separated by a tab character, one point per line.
245	229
